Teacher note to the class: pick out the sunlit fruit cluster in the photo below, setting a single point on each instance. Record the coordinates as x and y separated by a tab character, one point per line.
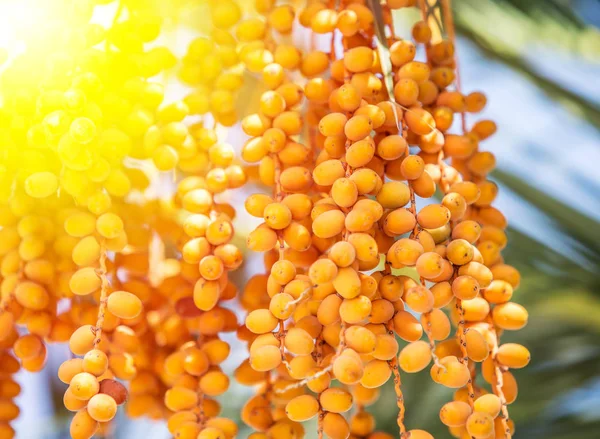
372	207
359	251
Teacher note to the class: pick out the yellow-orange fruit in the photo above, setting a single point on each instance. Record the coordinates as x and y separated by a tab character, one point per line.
393	194
376	374
297	237
329	309
465	287
459	252
329	224
265	358
283	271
424	186
468	230
480	425
102	407
386	347
381	311
480	272
450	373
333	124
507	273
365	246
419	121
360	153
28	346
475	310
406	92
85	281
299	342
355	310
392	147
438	323
82	340
415	357
262	239
477	347
433	216
404	252
361	339
419	434
407	326
95	362
124	304
261	321
455	413
358	59
412	167
83	426
277	216
31	295
71	403
327	172
509	387
342	253
214	383
429	265
69	368
510	316
366	180
344	192
489	404
300	366
299	204
456	204
206	294
419	299
336	400
348	369
442	294
335	426
302	408
84	386
180	398
347	283
513	355
296	179
358	127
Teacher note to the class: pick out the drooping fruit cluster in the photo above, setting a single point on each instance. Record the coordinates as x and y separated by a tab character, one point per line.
382	250
355	180
90	253
9	388
192	373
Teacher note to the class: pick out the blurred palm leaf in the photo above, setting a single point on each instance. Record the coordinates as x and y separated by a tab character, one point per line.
509	30
519	24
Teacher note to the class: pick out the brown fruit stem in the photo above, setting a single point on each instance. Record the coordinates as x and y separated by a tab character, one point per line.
103	296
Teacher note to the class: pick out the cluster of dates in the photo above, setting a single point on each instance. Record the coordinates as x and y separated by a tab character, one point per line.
358	250
382	249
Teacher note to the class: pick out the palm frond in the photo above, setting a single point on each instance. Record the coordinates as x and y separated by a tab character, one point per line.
576	226
504	33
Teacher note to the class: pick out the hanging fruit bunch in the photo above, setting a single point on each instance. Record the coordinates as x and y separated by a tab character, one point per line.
381	245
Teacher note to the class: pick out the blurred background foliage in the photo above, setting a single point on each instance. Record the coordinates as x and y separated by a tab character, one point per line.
539	62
